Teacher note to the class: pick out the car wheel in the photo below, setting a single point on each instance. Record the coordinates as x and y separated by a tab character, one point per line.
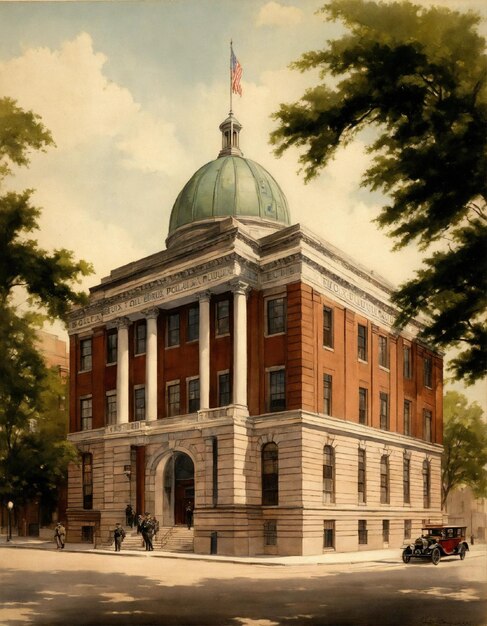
462	552
406	556
435	556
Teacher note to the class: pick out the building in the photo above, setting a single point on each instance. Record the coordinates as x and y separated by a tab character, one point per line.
252	370
464	509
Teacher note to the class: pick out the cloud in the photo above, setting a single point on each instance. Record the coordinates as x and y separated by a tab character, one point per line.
275	14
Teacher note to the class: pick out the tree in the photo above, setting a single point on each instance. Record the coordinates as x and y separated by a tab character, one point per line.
32	449
465	446
417	78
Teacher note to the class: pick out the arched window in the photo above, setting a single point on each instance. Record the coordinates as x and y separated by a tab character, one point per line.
426	484
328	474
384	479
270	474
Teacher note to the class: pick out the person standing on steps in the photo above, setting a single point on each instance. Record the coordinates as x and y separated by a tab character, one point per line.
59	535
189	515
118	536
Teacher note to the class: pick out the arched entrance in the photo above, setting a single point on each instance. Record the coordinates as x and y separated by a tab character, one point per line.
178	486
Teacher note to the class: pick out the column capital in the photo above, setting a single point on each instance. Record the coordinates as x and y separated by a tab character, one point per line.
151	314
239	286
122	322
204	296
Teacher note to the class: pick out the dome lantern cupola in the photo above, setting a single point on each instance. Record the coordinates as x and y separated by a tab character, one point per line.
230	129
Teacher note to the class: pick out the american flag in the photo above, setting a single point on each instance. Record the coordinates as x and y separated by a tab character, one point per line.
236	75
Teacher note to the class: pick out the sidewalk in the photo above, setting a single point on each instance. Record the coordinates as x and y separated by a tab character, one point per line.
390	556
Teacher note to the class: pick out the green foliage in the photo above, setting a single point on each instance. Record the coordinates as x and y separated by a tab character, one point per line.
418	78
465	446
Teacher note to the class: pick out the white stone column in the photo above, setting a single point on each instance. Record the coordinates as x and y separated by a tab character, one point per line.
204	350
151	364
123	370
240	344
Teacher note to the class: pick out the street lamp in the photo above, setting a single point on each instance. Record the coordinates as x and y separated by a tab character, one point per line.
10	506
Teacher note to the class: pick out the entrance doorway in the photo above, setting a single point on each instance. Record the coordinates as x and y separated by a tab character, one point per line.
183	486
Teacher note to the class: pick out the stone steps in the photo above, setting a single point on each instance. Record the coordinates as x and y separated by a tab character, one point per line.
168	539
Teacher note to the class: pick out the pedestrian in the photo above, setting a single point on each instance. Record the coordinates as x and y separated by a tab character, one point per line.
129	516
140	521
118	536
59	535
189	514
148	532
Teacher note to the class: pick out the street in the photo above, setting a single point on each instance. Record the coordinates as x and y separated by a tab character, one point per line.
49	587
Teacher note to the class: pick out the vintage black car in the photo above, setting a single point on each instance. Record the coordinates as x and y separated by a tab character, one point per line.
435	542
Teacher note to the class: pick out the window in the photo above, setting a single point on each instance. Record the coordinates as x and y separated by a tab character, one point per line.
384	480
270	533
270	474
85	347
87	478
222	317
406	480
327	384
140	337
328	534
277	390
139	404
385	530
86	406
327	327
328	474
407	528
362	405
173	399
427	421
361	478
173	329
193	331
111	408
384	411
112	342
276	316
426	484
407	363
362	532
383	351
427	372
193	395
224	389
407	417
362	342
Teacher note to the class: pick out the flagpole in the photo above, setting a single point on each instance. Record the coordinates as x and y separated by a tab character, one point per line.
231	77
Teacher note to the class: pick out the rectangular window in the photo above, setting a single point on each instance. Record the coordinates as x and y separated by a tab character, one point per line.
112	342
140	337
327	391
384	411
407	363
362	405
385	530
383	351
407	528
86	407
427	421
173	329
193	395
328	534
362	532
276	316
407	417
193	331
427	372
328	474
327	327
222	318
173	399
85	348
384	480
111	408
224	398
362	342
87	478
361	478
406	480
139	404
277	390
270	533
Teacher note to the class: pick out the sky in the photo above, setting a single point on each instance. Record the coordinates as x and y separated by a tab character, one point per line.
134	92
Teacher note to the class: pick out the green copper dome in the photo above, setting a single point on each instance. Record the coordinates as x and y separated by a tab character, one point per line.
230	186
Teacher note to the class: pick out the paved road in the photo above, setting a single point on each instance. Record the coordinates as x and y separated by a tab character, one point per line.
51	588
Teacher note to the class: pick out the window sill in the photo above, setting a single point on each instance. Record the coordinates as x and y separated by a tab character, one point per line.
218	336
110	364
177	345
362	361
140	353
278	334
384	368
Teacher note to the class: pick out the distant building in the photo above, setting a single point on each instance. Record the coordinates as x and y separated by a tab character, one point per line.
252	370
464	509
54	351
